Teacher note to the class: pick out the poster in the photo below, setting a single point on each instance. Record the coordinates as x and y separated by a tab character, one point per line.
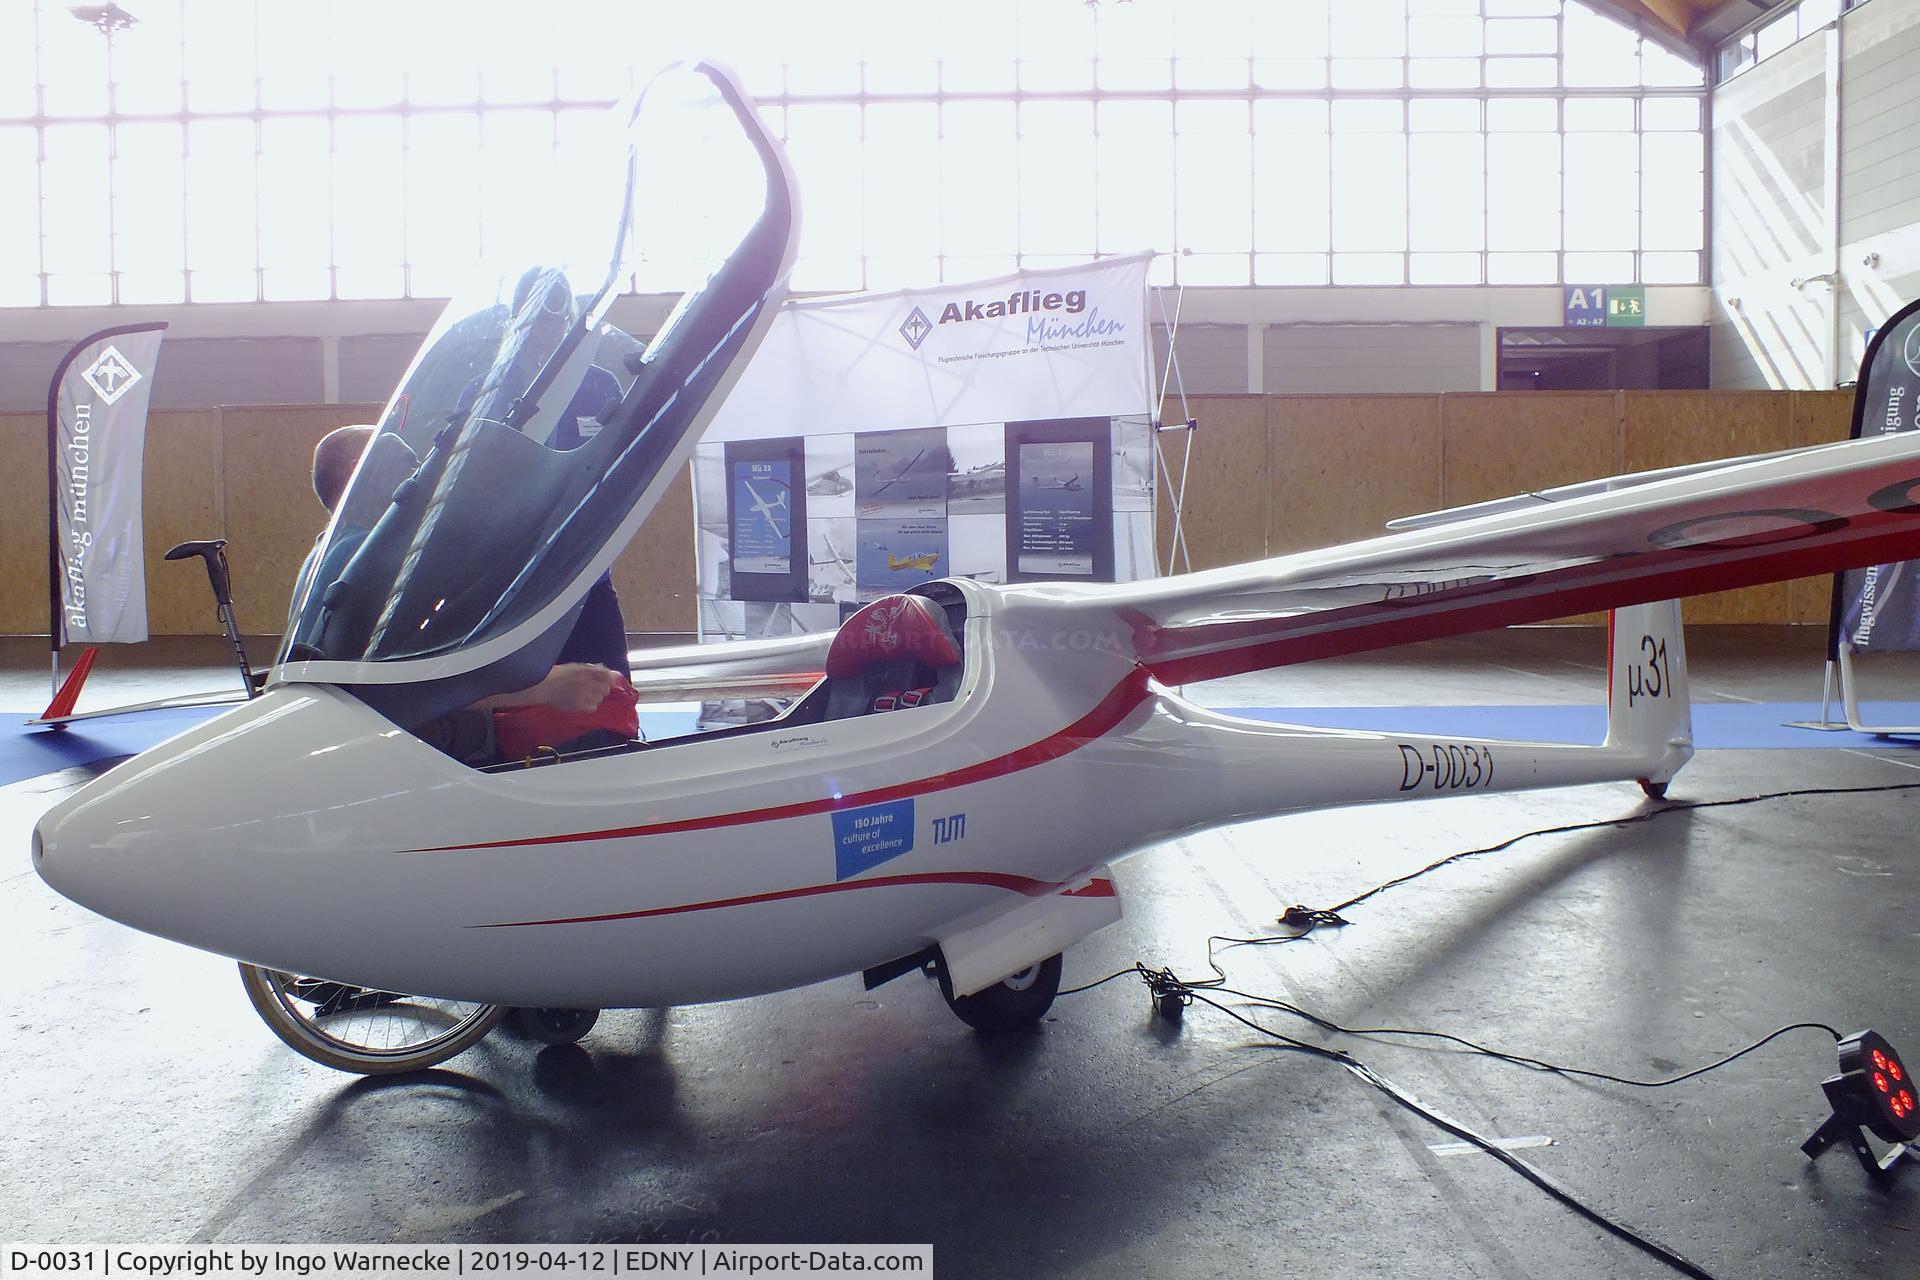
901	419
901	474
762	516
897	554
766	520
1059	521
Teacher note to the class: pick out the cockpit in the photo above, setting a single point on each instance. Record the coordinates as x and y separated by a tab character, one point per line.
898	653
531	436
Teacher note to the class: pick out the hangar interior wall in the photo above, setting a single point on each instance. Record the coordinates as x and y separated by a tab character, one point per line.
1350	339
1271	474
1816	201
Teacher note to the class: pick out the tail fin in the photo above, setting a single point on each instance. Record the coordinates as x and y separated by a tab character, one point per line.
1648	711
63	701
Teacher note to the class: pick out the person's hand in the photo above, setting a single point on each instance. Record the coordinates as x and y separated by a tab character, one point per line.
576	686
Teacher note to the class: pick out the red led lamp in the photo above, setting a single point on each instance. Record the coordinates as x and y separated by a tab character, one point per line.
1874	1092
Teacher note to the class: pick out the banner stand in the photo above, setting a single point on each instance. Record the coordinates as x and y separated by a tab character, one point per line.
1170	379
1876	608
1825	724
96	441
1850	700
1176	491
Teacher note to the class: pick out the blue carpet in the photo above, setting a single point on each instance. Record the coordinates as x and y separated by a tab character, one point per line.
31	752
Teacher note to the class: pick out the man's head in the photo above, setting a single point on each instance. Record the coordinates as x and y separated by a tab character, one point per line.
334	459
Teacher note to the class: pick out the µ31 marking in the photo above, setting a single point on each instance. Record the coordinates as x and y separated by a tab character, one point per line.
1650	677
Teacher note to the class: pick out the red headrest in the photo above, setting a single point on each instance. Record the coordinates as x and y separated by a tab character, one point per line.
892	627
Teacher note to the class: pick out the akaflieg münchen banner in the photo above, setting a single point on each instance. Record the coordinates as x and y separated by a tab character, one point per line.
897	418
96	443
1066	342
1878	608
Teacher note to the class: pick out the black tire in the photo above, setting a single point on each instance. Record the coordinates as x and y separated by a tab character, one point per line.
1654	790
555	1026
1017	1001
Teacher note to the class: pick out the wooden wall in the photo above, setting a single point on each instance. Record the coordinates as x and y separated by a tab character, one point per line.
1270	474
244	473
1273	474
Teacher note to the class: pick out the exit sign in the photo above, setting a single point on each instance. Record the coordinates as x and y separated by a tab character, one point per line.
1610	306
1626	306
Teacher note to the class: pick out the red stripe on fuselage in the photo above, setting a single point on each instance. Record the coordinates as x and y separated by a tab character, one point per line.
1097	723
986	879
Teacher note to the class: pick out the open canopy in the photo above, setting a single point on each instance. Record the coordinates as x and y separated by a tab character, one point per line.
529	438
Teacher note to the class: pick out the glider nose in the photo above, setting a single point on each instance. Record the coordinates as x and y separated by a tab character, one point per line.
93	854
218	837
73	860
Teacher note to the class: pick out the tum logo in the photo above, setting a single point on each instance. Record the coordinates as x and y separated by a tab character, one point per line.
947	830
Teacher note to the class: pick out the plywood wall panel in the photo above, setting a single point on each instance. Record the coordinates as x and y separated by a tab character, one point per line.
23	523
1226	495
1496	445
1270	475
272	515
1819	417
1342	466
655	574
181	497
1671	428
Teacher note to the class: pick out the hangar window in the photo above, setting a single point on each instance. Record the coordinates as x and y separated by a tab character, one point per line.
234	150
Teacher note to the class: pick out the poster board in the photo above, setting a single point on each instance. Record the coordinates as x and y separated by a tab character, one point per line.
903	414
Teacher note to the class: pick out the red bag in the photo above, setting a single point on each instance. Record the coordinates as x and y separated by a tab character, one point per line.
520	731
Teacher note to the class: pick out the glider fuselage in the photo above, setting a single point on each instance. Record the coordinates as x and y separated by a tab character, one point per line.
305	832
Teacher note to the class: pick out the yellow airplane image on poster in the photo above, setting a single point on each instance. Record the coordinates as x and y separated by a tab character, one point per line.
924	562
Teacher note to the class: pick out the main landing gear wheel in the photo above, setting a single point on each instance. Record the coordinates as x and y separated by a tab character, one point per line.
372	1033
555	1026
1654	790
1017	1001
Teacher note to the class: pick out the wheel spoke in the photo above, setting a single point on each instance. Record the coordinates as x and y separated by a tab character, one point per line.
361	1029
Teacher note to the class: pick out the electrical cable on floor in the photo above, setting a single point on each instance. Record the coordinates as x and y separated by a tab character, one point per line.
1305	920
1169	990
1308	919
1539	1178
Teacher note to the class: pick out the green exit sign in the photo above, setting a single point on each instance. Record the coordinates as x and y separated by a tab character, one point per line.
1626	306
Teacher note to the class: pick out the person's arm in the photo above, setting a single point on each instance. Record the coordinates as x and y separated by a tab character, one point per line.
571	686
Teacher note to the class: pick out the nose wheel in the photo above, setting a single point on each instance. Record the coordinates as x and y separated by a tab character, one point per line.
361	1030
1019	1000
555	1026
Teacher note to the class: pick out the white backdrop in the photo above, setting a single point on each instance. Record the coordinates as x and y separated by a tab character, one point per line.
900	405
1067	342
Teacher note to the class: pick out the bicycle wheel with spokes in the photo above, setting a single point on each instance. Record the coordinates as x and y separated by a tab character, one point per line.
360	1030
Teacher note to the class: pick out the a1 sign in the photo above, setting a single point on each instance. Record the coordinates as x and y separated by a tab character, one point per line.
1585	306
1599	306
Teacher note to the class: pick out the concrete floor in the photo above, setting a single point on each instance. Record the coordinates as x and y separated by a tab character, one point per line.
145	1102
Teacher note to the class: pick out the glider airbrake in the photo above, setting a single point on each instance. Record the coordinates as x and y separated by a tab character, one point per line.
964	761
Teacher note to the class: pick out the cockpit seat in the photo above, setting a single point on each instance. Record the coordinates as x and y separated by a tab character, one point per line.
895	646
